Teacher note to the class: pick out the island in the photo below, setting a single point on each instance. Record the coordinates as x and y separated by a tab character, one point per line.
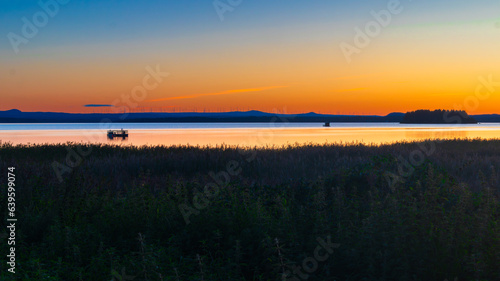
438	117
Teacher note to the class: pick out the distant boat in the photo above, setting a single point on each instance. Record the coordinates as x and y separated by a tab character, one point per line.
327	124
117	133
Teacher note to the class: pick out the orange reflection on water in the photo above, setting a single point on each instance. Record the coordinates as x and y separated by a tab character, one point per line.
250	136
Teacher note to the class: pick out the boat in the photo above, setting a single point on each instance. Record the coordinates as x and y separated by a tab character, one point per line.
327	124
118	133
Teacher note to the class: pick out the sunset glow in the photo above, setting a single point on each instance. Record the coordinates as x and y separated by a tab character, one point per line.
261	56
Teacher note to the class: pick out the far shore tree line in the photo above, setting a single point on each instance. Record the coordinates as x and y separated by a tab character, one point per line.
439	116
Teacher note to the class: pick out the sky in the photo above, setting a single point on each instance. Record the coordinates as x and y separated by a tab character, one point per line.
360	57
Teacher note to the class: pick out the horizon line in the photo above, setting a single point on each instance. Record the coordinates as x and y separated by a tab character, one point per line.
237	111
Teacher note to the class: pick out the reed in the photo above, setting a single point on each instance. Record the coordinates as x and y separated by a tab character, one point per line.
117	213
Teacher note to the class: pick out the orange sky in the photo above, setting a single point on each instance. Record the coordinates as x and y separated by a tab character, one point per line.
286	68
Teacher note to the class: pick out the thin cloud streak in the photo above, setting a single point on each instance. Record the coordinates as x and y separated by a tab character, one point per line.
229	92
98	105
351	90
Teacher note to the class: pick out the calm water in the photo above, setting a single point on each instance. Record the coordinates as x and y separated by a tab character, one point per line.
254	134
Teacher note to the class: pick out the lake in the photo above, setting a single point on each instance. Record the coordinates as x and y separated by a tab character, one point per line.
243	134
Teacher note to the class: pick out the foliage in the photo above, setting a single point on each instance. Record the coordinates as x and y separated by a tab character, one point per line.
117	213
438	117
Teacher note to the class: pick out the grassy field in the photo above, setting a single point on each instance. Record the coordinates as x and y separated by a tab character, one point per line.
407	211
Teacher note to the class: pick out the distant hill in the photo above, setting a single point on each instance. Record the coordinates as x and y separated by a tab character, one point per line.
487	118
438	117
17	116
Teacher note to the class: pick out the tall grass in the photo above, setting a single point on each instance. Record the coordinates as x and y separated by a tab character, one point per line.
118	212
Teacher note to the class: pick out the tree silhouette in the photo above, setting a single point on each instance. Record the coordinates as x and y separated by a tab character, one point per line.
438	117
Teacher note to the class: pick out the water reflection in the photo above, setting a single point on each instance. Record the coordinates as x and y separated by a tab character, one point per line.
117	138
436	134
255	136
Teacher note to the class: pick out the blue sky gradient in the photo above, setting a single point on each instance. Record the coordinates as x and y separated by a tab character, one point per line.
260	43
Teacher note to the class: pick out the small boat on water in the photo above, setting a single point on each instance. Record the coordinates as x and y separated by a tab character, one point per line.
327	124
118	133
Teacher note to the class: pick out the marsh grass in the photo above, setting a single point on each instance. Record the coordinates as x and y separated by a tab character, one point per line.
119	210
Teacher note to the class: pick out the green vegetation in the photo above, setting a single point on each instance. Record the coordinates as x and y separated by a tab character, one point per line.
118	212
